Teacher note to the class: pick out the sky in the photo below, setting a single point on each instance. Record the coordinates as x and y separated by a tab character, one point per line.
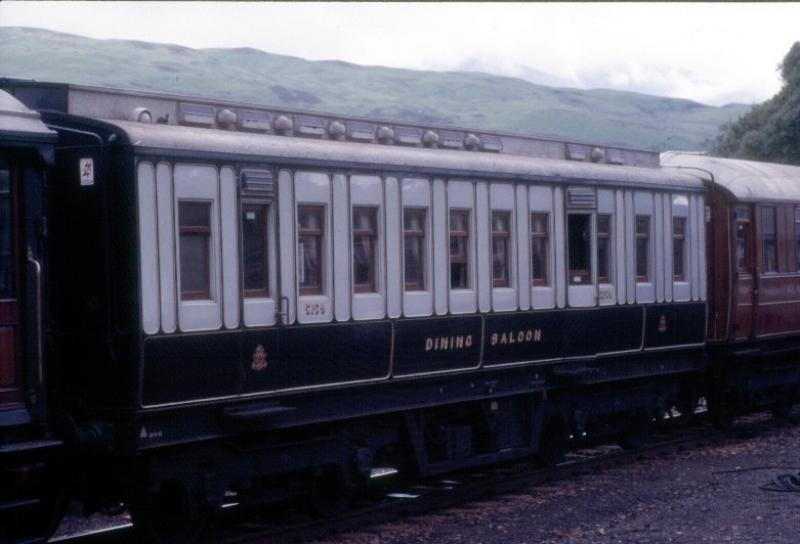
712	53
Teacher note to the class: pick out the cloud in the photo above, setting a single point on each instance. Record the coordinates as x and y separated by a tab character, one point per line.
704	52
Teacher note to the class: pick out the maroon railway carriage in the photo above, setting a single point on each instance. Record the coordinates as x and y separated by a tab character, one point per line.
26	447
753	249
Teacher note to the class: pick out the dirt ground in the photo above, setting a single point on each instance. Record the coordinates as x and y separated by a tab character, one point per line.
683	498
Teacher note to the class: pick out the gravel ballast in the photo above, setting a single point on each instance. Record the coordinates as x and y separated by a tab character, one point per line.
706	494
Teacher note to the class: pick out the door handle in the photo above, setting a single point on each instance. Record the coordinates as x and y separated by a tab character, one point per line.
37	268
756	280
281	314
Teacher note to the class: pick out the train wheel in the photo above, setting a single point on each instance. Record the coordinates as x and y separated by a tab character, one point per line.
33	493
686	404
172	515
783	404
332	490
552	446
637	432
723	409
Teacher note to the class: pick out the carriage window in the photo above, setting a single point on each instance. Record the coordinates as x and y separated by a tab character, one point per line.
365	247
769	240
743	260
6	236
501	248
642	248
310	233
603	248
414	222
255	250
678	248
194	221
797	237
539	248
459	249
579	232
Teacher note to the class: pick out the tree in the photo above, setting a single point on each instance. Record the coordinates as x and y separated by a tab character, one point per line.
770	131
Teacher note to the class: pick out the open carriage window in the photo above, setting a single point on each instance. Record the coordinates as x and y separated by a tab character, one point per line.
579	231
194	221
255	250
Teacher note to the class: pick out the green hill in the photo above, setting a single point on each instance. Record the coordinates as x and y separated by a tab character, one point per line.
453	98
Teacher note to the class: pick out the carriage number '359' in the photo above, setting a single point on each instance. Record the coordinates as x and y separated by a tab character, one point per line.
314	309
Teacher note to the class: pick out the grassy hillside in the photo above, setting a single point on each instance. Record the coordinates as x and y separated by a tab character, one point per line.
456	98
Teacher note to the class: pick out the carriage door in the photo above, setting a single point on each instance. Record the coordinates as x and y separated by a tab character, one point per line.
581	261
746	272
10	346
263	305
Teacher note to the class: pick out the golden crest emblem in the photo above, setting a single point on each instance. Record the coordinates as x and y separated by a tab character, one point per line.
259	360
662	324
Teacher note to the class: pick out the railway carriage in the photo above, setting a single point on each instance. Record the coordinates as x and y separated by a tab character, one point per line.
26	444
270	303
754	323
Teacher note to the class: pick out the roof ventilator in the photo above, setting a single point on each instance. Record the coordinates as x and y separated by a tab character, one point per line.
451	139
259	121
472	142
430	138
408	135
309	126
364	132
385	135
141	115
336	130
257	182
597	155
197	114
226	119
577	152
283	124
581	197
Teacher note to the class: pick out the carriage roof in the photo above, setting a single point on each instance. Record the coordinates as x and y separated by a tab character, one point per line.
182	125
18	123
747	181
193	141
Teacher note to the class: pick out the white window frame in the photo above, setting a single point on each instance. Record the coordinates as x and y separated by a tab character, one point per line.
643	206
501	200
540	200
461	197
261	311
199	183
606	291
681	290
367	192
314	189
148	247
416	193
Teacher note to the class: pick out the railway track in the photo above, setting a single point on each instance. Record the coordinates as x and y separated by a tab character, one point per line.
392	498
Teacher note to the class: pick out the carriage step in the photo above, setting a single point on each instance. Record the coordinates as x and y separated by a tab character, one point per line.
35	445
18	504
